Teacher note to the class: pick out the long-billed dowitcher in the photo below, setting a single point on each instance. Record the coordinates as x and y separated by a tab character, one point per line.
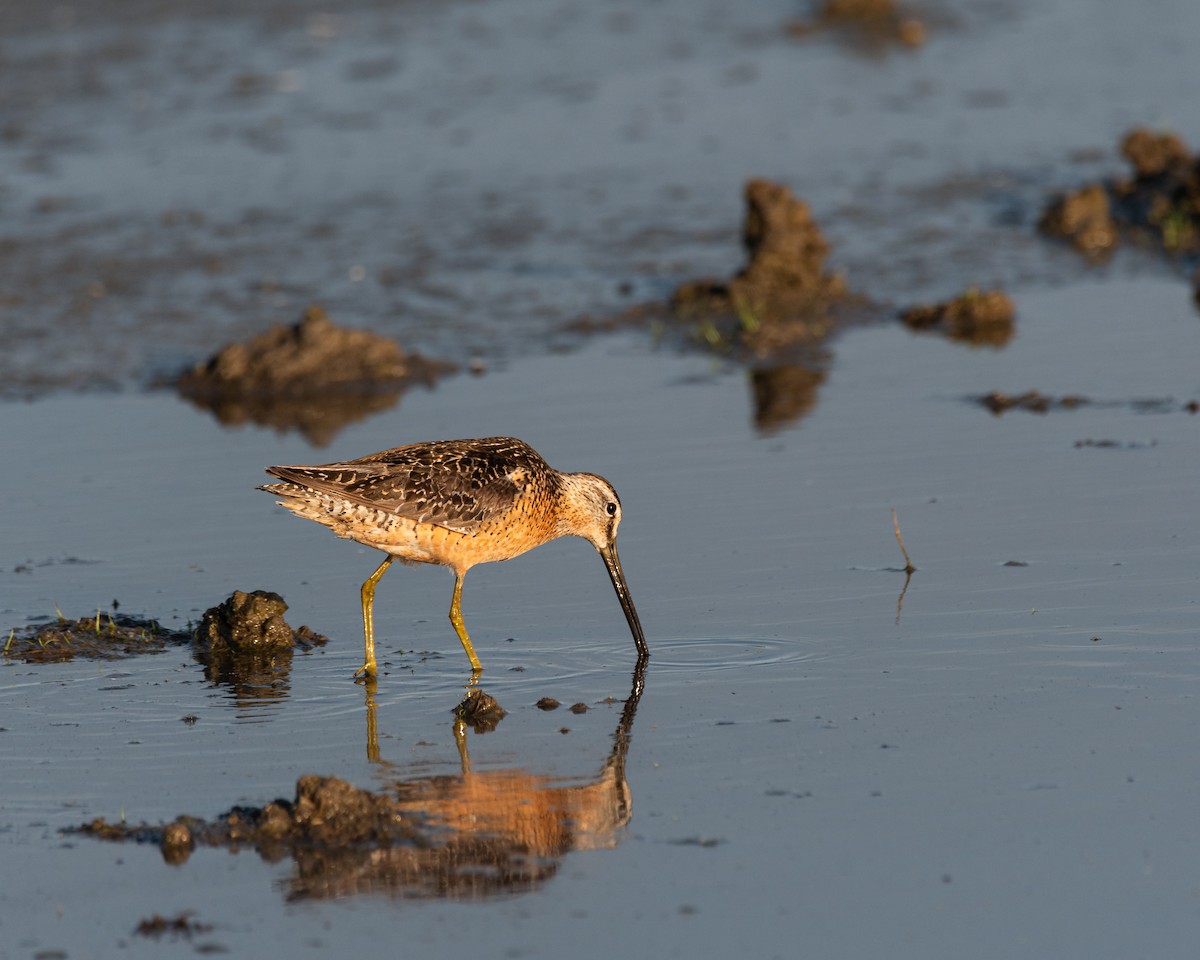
456	503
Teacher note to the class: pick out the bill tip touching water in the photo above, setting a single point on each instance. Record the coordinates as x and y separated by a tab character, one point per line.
456	503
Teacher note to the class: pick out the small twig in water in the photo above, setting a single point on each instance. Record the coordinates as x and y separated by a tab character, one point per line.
908	564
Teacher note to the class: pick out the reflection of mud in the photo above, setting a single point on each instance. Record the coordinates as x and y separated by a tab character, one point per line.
245	643
874	23
1161	201
783	295
978	317
784	394
313	376
468	835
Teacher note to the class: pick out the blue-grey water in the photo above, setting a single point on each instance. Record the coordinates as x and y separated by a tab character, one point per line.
996	767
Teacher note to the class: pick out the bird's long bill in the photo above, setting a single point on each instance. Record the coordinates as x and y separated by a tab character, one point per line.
613	562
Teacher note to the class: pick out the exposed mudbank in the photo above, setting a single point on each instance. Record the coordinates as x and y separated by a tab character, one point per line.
106	636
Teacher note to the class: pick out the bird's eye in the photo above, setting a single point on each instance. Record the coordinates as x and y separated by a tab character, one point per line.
612	509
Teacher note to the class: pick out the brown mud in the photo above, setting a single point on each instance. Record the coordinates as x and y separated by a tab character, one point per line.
978	317
313	376
783	296
1158	206
243	642
874	24
480	711
1033	401
249	623
180	925
106	636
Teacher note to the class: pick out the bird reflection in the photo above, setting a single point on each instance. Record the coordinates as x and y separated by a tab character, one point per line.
468	835
475	834
479	833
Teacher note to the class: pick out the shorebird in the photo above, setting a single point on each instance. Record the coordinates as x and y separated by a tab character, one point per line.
456	503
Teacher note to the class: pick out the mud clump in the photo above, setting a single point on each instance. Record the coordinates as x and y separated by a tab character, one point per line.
246	623
999	402
876	23
313	376
314	354
979	317
480	711
181	925
245	643
1155	153
102	637
1085	219
783	295
1159	204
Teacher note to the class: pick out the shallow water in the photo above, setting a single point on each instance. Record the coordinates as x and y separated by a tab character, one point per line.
990	761
798	757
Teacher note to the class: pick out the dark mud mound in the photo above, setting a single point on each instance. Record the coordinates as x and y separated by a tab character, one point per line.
480	711
1158	206
245	643
978	317
875	24
102	637
246	623
783	296
314	377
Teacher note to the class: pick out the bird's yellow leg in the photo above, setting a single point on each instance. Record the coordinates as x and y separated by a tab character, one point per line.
460	628
368	669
